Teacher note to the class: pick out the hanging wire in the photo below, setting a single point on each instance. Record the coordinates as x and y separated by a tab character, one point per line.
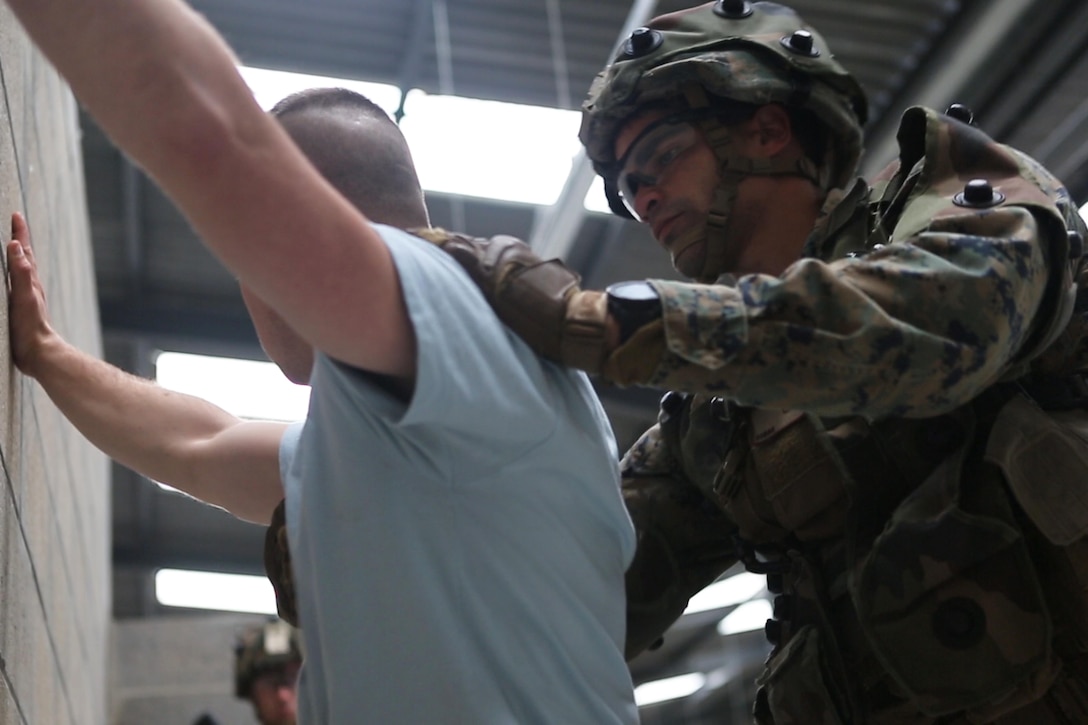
559	53
444	53
442	47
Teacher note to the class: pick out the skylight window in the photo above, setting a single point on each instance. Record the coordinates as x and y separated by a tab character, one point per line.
463	146
245	388
489	149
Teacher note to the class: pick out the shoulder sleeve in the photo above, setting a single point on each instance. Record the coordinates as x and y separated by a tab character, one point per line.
956	155
288	446
291	490
469	365
959	296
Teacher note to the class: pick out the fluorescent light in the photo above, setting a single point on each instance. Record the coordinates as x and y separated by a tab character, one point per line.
670	688
727	592
214	590
746	618
245	388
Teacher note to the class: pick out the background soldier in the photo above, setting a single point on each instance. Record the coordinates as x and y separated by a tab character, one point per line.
266	664
879	400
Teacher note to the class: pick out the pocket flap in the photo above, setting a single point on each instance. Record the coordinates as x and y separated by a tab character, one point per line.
1044	456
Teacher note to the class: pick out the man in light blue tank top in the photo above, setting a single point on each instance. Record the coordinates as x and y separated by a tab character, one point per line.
454	515
472	533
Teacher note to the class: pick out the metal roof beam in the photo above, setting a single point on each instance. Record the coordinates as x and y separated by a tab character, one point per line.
413	54
980	35
557	226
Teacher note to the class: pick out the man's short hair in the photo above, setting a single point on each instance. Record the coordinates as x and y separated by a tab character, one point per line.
378	177
327	98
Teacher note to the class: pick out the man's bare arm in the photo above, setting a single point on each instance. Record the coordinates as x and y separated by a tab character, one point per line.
177	439
164	86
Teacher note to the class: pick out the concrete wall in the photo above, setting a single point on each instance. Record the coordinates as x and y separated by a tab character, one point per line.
170	670
54	488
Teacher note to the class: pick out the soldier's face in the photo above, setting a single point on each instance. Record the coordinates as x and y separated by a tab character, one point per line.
667	179
275	694
668	176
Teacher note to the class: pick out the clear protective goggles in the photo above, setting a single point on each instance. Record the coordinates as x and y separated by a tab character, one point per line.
652	155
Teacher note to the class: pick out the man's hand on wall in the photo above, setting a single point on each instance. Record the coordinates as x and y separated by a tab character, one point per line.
28	319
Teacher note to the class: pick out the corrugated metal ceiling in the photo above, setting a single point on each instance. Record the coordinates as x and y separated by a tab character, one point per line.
543	52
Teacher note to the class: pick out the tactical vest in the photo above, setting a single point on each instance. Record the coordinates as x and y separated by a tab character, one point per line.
904	554
931	570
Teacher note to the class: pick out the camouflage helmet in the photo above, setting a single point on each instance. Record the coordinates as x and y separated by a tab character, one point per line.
263	649
755	53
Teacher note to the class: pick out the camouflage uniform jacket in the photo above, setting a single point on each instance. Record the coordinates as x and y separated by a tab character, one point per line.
857	429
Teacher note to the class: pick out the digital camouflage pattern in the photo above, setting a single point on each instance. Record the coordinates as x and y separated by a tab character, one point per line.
864	325
854	395
684	538
713	65
748	58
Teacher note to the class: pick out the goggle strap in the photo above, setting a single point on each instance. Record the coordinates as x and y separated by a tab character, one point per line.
615	199
736	165
717	134
714	230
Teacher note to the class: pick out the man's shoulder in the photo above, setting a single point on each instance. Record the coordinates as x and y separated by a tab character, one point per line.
416	239
422	264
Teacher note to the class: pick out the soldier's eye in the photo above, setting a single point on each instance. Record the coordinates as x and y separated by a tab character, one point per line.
631	183
665	157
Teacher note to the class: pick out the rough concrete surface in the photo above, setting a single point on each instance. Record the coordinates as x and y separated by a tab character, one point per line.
54	488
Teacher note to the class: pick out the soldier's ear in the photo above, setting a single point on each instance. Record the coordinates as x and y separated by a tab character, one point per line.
770	130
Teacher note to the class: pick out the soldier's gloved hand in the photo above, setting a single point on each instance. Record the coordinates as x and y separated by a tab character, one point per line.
538	299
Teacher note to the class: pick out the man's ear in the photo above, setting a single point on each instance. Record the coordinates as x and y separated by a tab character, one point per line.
770	130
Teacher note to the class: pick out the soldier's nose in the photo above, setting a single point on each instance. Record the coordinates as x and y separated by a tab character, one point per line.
647	200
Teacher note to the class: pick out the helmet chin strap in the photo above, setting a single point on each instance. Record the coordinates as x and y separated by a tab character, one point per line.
732	169
714	231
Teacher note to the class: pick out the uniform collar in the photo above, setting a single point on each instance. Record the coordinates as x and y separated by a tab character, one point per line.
841	208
